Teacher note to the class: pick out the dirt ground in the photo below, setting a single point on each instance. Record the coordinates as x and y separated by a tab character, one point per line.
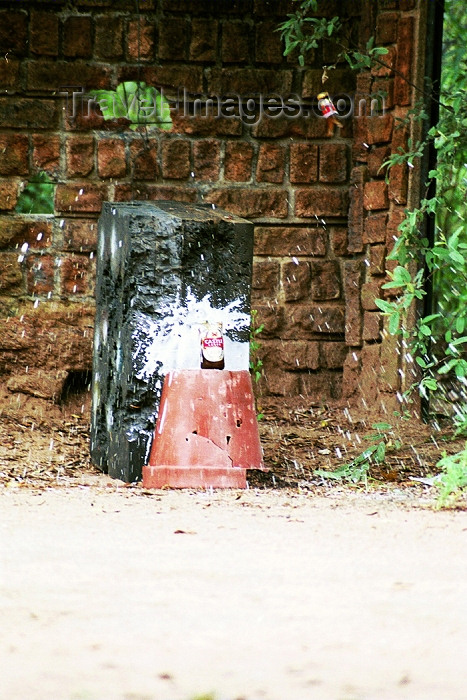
298	587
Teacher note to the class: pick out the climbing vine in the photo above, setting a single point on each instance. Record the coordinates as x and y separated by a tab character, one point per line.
437	341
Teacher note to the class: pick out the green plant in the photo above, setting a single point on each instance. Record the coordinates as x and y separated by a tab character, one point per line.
453	478
256	363
141	104
358	469
37	197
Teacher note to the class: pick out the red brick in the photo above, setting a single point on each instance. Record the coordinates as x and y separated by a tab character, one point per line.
143	160
304	321
173	39
339	240
288	127
271	317
379	129
206	159
206	125
170	77
405	42
235	42
333	159
325	280
375	228
140	40
372	324
40	274
203	46
13	33
370	291
44	33
280	383
303	162
271	163
80	235
370	371
109	37
14	150
238	160
46	152
111	158
296	355
248	81
321	385
24	113
74	272
377	255
8	195
321	201
332	355
50	76
340	80
396	217
384	66
268	43
295	279
386	28
77	37
390	354
287	241
398	183
353	277
9	73
176	159
383	91
144	191
351	374
79	155
11	276
251	202
265	282
35	231
85	197
375	195
376	157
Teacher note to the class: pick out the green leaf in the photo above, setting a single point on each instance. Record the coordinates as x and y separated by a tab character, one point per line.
394	323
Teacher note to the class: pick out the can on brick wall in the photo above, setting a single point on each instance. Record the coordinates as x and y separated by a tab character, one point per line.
212	346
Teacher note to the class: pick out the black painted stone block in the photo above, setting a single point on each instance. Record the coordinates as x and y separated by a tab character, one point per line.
156	264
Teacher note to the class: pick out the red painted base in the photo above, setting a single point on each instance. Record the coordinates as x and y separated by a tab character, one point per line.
194	477
206	433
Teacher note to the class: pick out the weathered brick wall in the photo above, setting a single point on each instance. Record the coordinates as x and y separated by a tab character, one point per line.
325	217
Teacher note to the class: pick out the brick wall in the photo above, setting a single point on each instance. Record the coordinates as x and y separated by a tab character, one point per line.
325	217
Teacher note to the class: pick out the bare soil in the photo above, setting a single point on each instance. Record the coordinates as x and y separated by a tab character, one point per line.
299	587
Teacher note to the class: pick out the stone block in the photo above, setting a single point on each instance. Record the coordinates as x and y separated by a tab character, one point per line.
176	159
353	276
321	201
14	150
289	240
111	160
235	42
325	280
271	164
296	280
303	162
238	161
77	37
163	269
333	162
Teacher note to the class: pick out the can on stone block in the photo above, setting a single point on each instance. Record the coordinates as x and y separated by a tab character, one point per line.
163	269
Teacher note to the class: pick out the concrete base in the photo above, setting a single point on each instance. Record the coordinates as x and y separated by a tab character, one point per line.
206	433
194	477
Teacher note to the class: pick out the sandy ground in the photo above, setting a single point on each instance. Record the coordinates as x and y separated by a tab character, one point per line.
110	593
